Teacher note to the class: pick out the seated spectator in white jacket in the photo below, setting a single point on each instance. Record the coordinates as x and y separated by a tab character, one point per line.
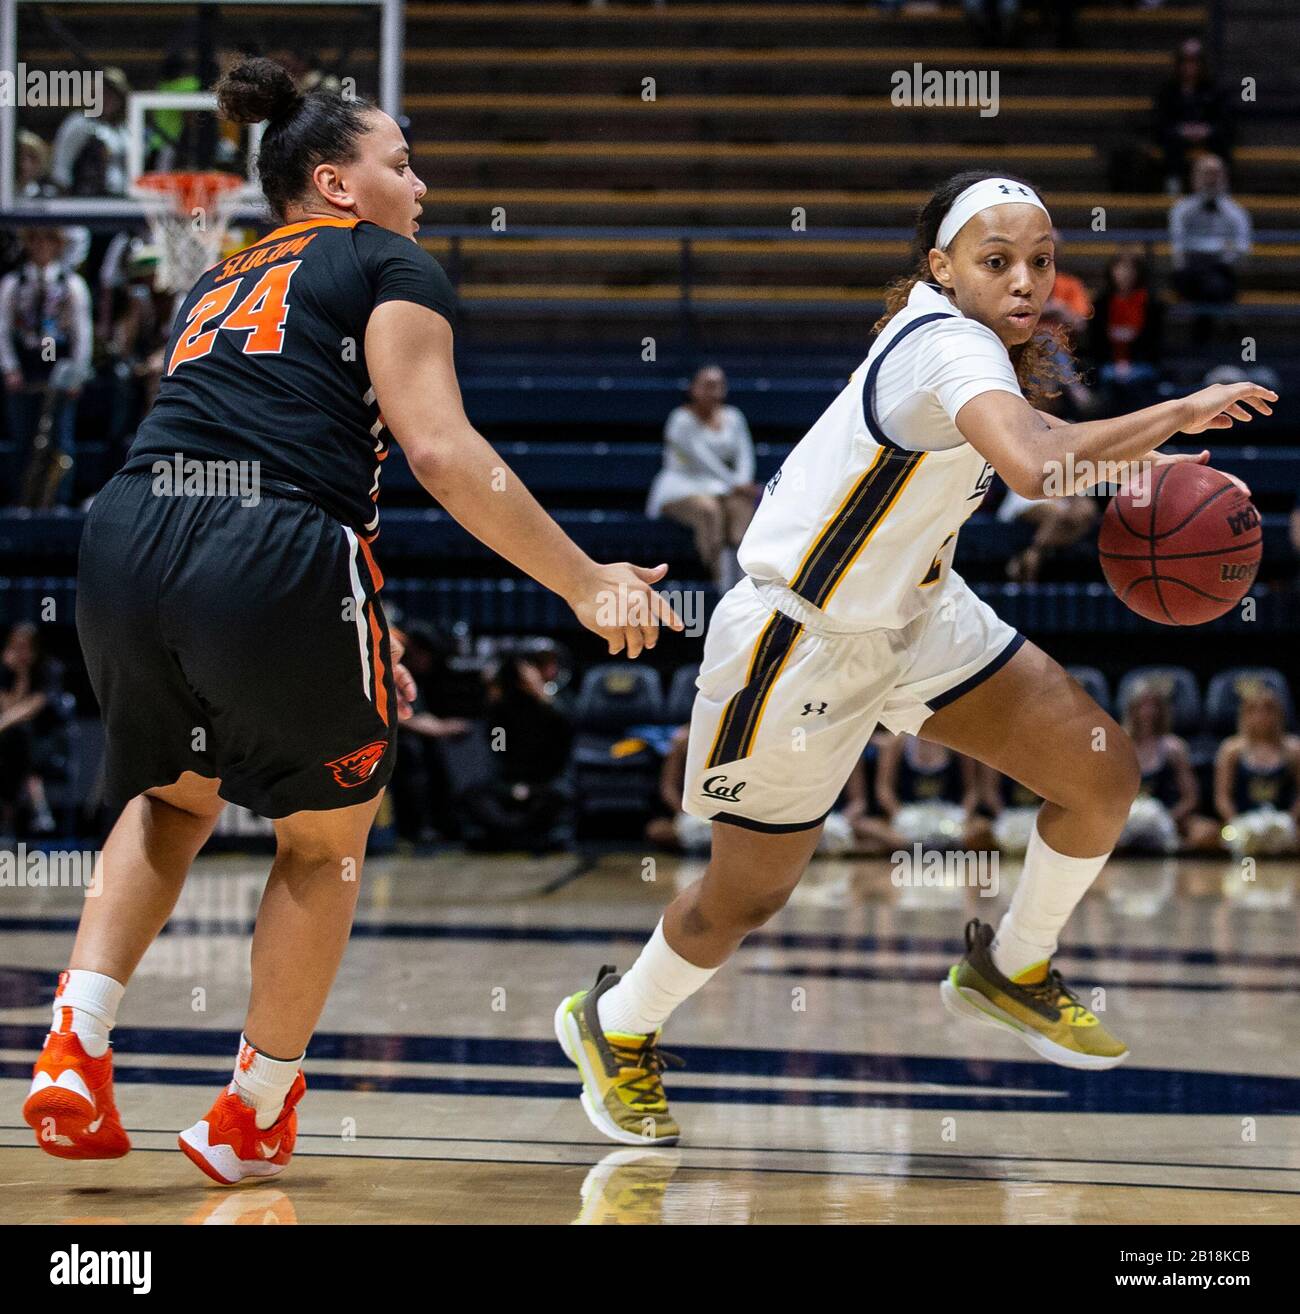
707	480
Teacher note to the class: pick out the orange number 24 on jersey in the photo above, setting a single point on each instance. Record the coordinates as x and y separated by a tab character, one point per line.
261	314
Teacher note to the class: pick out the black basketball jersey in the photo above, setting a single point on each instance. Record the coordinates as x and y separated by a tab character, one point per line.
266	363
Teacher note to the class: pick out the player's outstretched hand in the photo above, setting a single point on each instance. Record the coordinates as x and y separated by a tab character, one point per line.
617	602
1218	407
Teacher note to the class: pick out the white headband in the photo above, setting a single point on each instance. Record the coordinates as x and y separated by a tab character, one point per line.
983	195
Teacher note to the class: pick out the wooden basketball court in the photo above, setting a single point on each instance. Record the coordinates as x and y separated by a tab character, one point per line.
824	1081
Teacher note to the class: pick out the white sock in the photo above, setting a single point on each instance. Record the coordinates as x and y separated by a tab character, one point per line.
1050	888
85	1003
650	989
263	1082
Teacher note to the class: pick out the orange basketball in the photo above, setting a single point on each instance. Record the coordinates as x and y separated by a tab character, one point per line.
1182	549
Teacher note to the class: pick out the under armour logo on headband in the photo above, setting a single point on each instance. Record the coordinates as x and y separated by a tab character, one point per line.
983	195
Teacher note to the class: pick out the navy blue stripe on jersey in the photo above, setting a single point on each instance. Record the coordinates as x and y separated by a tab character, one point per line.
951	695
846	534
739	724
873	372
844	537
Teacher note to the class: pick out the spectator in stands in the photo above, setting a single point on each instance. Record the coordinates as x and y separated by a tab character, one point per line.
1209	236
669	827
33	166
305	74
136	339
45	346
423	790
1069	303
1164	816
707	480
1257	778
166	145
1126	334
930	795
528	802
27	680
1013	808
94	148
872	833
31	181
1058	523
1192	115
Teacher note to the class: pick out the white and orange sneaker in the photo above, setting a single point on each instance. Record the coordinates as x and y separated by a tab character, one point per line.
228	1145
70	1105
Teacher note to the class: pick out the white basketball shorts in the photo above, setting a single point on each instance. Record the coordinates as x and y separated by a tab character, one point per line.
785	705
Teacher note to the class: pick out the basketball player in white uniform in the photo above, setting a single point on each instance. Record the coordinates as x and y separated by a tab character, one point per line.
851	615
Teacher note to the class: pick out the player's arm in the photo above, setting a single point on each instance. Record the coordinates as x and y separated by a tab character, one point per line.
409	356
1033	455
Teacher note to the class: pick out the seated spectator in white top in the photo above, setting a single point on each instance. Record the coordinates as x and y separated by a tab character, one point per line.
107	131
1209	234
707	480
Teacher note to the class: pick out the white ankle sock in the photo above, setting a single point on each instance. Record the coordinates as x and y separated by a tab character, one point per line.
263	1082
1050	888
651	988
85	1003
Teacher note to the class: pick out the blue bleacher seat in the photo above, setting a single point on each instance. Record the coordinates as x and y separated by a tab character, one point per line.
681	695
614	696
1178	682
1224	694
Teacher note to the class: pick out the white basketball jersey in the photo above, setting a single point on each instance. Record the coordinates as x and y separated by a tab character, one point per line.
861	520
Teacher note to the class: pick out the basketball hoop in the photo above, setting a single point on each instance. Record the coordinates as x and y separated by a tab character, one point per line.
189	216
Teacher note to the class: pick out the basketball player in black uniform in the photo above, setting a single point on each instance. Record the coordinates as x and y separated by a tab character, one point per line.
228	601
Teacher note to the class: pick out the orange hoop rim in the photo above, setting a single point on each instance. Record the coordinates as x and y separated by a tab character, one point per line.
186	189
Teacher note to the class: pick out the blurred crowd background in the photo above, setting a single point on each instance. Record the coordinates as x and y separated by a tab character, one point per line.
671	232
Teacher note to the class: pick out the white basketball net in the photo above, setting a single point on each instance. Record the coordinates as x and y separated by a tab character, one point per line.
189	218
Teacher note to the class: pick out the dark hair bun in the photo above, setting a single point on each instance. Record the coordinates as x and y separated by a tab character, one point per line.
255	90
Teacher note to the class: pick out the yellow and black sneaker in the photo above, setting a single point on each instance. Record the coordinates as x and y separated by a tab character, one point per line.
621	1088
1045	1014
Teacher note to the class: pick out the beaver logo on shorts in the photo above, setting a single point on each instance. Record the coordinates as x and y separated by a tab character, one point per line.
357	767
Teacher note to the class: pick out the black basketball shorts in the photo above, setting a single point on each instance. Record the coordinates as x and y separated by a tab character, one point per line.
242	642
